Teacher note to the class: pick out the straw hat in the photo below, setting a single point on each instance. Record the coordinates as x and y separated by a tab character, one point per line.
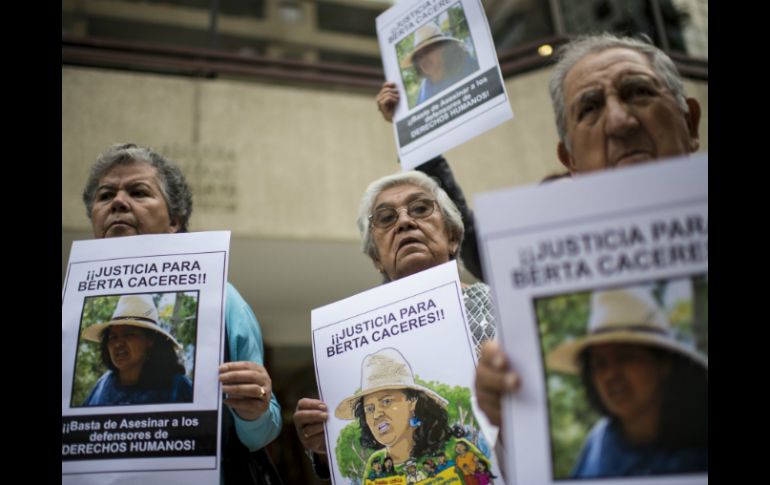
382	370
426	35
628	315
135	310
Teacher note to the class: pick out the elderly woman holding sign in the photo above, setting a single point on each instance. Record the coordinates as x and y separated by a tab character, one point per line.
132	190
407	224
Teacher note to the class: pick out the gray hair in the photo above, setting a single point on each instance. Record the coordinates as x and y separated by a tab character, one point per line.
452	218
173	185
569	54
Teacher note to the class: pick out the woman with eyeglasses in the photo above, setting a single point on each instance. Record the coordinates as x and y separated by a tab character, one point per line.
407	224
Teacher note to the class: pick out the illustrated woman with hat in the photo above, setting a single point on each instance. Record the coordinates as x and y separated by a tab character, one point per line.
141	357
651	388
439	59
399	418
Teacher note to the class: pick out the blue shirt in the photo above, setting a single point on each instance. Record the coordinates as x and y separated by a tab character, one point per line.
109	392
607	454
245	343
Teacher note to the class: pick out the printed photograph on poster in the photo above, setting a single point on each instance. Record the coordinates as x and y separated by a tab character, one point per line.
142	328
441	56
602	297
144	340
395	365
436	55
626	364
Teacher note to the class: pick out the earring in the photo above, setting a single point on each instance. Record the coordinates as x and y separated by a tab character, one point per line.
414	421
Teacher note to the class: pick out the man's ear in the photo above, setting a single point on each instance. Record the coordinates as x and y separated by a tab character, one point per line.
693	119
565	157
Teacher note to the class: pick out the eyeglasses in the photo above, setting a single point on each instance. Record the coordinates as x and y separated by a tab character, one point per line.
387	216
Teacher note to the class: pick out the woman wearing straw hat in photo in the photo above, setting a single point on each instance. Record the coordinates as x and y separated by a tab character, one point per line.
651	388
141	357
402	420
439	59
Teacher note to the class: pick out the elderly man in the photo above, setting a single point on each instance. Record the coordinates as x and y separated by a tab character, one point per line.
132	190
617	101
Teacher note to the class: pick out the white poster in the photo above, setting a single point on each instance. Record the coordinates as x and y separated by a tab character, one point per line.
395	365
601	288
442	58
142	331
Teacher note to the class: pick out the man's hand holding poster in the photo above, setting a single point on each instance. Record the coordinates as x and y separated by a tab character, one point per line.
441	56
601	287
395	364
141	343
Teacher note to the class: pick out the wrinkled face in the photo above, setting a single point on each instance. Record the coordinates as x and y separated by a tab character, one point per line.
128	346
129	201
618	112
628	379
387	415
410	245
431	61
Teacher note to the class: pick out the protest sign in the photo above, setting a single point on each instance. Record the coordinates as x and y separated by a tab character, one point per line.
442	58
601	287
395	364
142	332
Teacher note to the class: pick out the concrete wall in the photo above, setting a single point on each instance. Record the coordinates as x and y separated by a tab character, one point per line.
268	161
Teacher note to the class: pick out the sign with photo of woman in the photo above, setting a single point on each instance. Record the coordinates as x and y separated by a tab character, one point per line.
142	333
602	295
442	58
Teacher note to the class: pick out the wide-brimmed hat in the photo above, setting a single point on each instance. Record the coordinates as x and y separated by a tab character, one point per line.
426	35
630	316
380	371
135	310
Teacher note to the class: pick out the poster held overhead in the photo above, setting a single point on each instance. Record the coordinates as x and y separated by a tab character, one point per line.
442	58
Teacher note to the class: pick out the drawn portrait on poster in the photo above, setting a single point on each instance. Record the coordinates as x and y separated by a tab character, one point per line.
627	378
408	430
436	55
136	349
